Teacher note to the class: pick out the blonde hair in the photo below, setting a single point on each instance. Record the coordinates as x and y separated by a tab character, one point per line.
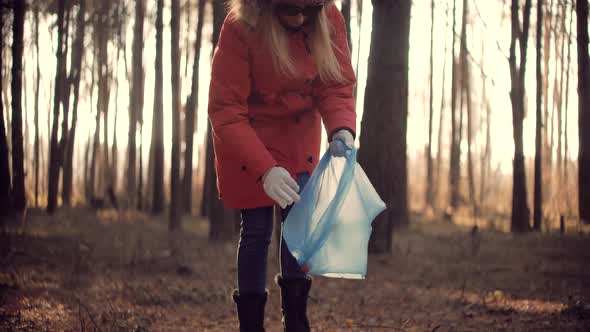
260	17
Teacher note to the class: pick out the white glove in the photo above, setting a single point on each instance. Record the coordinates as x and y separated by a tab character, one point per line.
342	141
280	186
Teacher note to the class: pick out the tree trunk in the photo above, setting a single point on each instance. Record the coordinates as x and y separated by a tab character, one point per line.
454	166
223	222
158	119
346	4
538	200
441	115
560	94
65	97
76	68
5	188
53	175
385	117
429	172
567	89
136	102
520	210
190	111
583	112
546	56
175	189
37	84
466	88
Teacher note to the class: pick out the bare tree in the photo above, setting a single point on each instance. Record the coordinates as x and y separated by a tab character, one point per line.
53	175
567	88
190	110
455	158
36	120
223	222
385	117
18	172
583	111
136	103
538	200
158	118
175	189
76	68
442	110
466	89
346	4
5	187
520	210
429	171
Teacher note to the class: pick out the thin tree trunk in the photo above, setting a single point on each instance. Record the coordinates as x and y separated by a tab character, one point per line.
187	16
5	187
567	89
37	84
136	105
18	171
158	119
53	174
385	117
466	88
140	170
65	97
175	189
429	175
560	94
520	210
190	111
583	111
538	200
442	108
223	222
346	4
359	8
454	167
76	68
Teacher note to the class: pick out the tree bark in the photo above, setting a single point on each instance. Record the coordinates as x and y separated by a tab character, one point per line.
455	154
346	4
136	104
53	175
36	116
583	112
223	222
429	172
76	68
538	200
18	171
191	109
383	150
441	115
158	118
175	189
466	88
567	89
5	187
520	210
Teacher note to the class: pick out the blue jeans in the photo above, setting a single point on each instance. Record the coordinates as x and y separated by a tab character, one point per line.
255	237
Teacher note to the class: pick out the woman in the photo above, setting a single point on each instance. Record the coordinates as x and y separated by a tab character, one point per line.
279	69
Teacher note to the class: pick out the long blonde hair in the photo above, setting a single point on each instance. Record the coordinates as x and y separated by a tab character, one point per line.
259	15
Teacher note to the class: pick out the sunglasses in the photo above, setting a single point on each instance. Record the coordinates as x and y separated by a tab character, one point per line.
292	10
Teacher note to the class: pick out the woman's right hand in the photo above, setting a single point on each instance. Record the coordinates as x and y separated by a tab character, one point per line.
280	186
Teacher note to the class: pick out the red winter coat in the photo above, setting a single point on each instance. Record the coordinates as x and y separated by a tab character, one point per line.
260	119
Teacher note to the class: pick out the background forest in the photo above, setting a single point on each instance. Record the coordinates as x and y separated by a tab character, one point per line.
474	125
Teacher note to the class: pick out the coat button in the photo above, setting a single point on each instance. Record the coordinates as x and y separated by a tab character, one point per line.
244	168
310	159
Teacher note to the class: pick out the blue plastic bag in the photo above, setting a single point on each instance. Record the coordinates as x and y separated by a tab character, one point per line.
328	230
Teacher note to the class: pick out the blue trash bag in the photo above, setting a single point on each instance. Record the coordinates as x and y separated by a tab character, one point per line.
328	230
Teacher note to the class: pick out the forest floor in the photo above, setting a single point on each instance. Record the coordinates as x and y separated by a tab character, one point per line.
106	271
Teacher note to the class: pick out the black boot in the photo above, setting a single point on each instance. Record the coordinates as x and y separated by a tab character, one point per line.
294	293
250	310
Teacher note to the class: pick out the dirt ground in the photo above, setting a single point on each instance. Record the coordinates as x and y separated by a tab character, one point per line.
85	271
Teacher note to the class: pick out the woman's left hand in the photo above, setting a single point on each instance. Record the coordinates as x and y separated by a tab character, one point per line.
342	141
